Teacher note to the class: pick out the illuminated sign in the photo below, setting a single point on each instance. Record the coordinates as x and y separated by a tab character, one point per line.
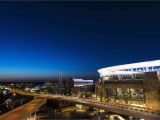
82	82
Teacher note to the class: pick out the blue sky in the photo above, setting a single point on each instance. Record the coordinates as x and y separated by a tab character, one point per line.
76	38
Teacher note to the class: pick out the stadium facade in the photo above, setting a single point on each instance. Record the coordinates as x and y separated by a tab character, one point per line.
136	84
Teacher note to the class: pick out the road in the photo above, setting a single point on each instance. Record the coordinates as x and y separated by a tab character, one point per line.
24	111
126	110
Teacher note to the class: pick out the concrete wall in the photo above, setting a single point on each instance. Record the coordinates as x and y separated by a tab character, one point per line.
98	89
151	86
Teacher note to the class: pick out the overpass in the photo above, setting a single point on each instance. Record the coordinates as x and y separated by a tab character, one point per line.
26	111
116	108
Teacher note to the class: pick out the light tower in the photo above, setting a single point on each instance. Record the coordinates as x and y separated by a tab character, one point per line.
60	84
60	77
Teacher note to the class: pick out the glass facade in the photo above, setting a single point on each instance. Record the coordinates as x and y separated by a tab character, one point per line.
128	93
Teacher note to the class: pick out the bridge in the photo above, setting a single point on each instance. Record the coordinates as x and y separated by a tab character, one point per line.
26	111
40	99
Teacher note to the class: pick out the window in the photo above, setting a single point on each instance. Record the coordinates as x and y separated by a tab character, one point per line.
155	68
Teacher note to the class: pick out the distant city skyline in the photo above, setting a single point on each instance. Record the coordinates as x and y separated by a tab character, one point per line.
41	39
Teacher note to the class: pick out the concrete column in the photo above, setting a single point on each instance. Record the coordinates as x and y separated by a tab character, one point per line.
111	117
101	89
151	89
44	106
32	117
35	116
130	117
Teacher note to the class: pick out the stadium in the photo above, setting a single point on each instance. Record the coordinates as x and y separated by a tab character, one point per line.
135	84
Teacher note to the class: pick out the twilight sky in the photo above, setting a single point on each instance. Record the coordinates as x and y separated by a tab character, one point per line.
40	39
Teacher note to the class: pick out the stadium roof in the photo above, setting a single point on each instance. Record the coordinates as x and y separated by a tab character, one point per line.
120	68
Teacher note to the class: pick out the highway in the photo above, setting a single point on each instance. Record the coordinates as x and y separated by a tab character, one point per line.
25	110
131	111
120	109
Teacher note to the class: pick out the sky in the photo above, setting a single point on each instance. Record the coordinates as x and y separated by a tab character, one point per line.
41	39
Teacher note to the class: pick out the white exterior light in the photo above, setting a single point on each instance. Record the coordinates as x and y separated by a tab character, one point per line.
130	68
